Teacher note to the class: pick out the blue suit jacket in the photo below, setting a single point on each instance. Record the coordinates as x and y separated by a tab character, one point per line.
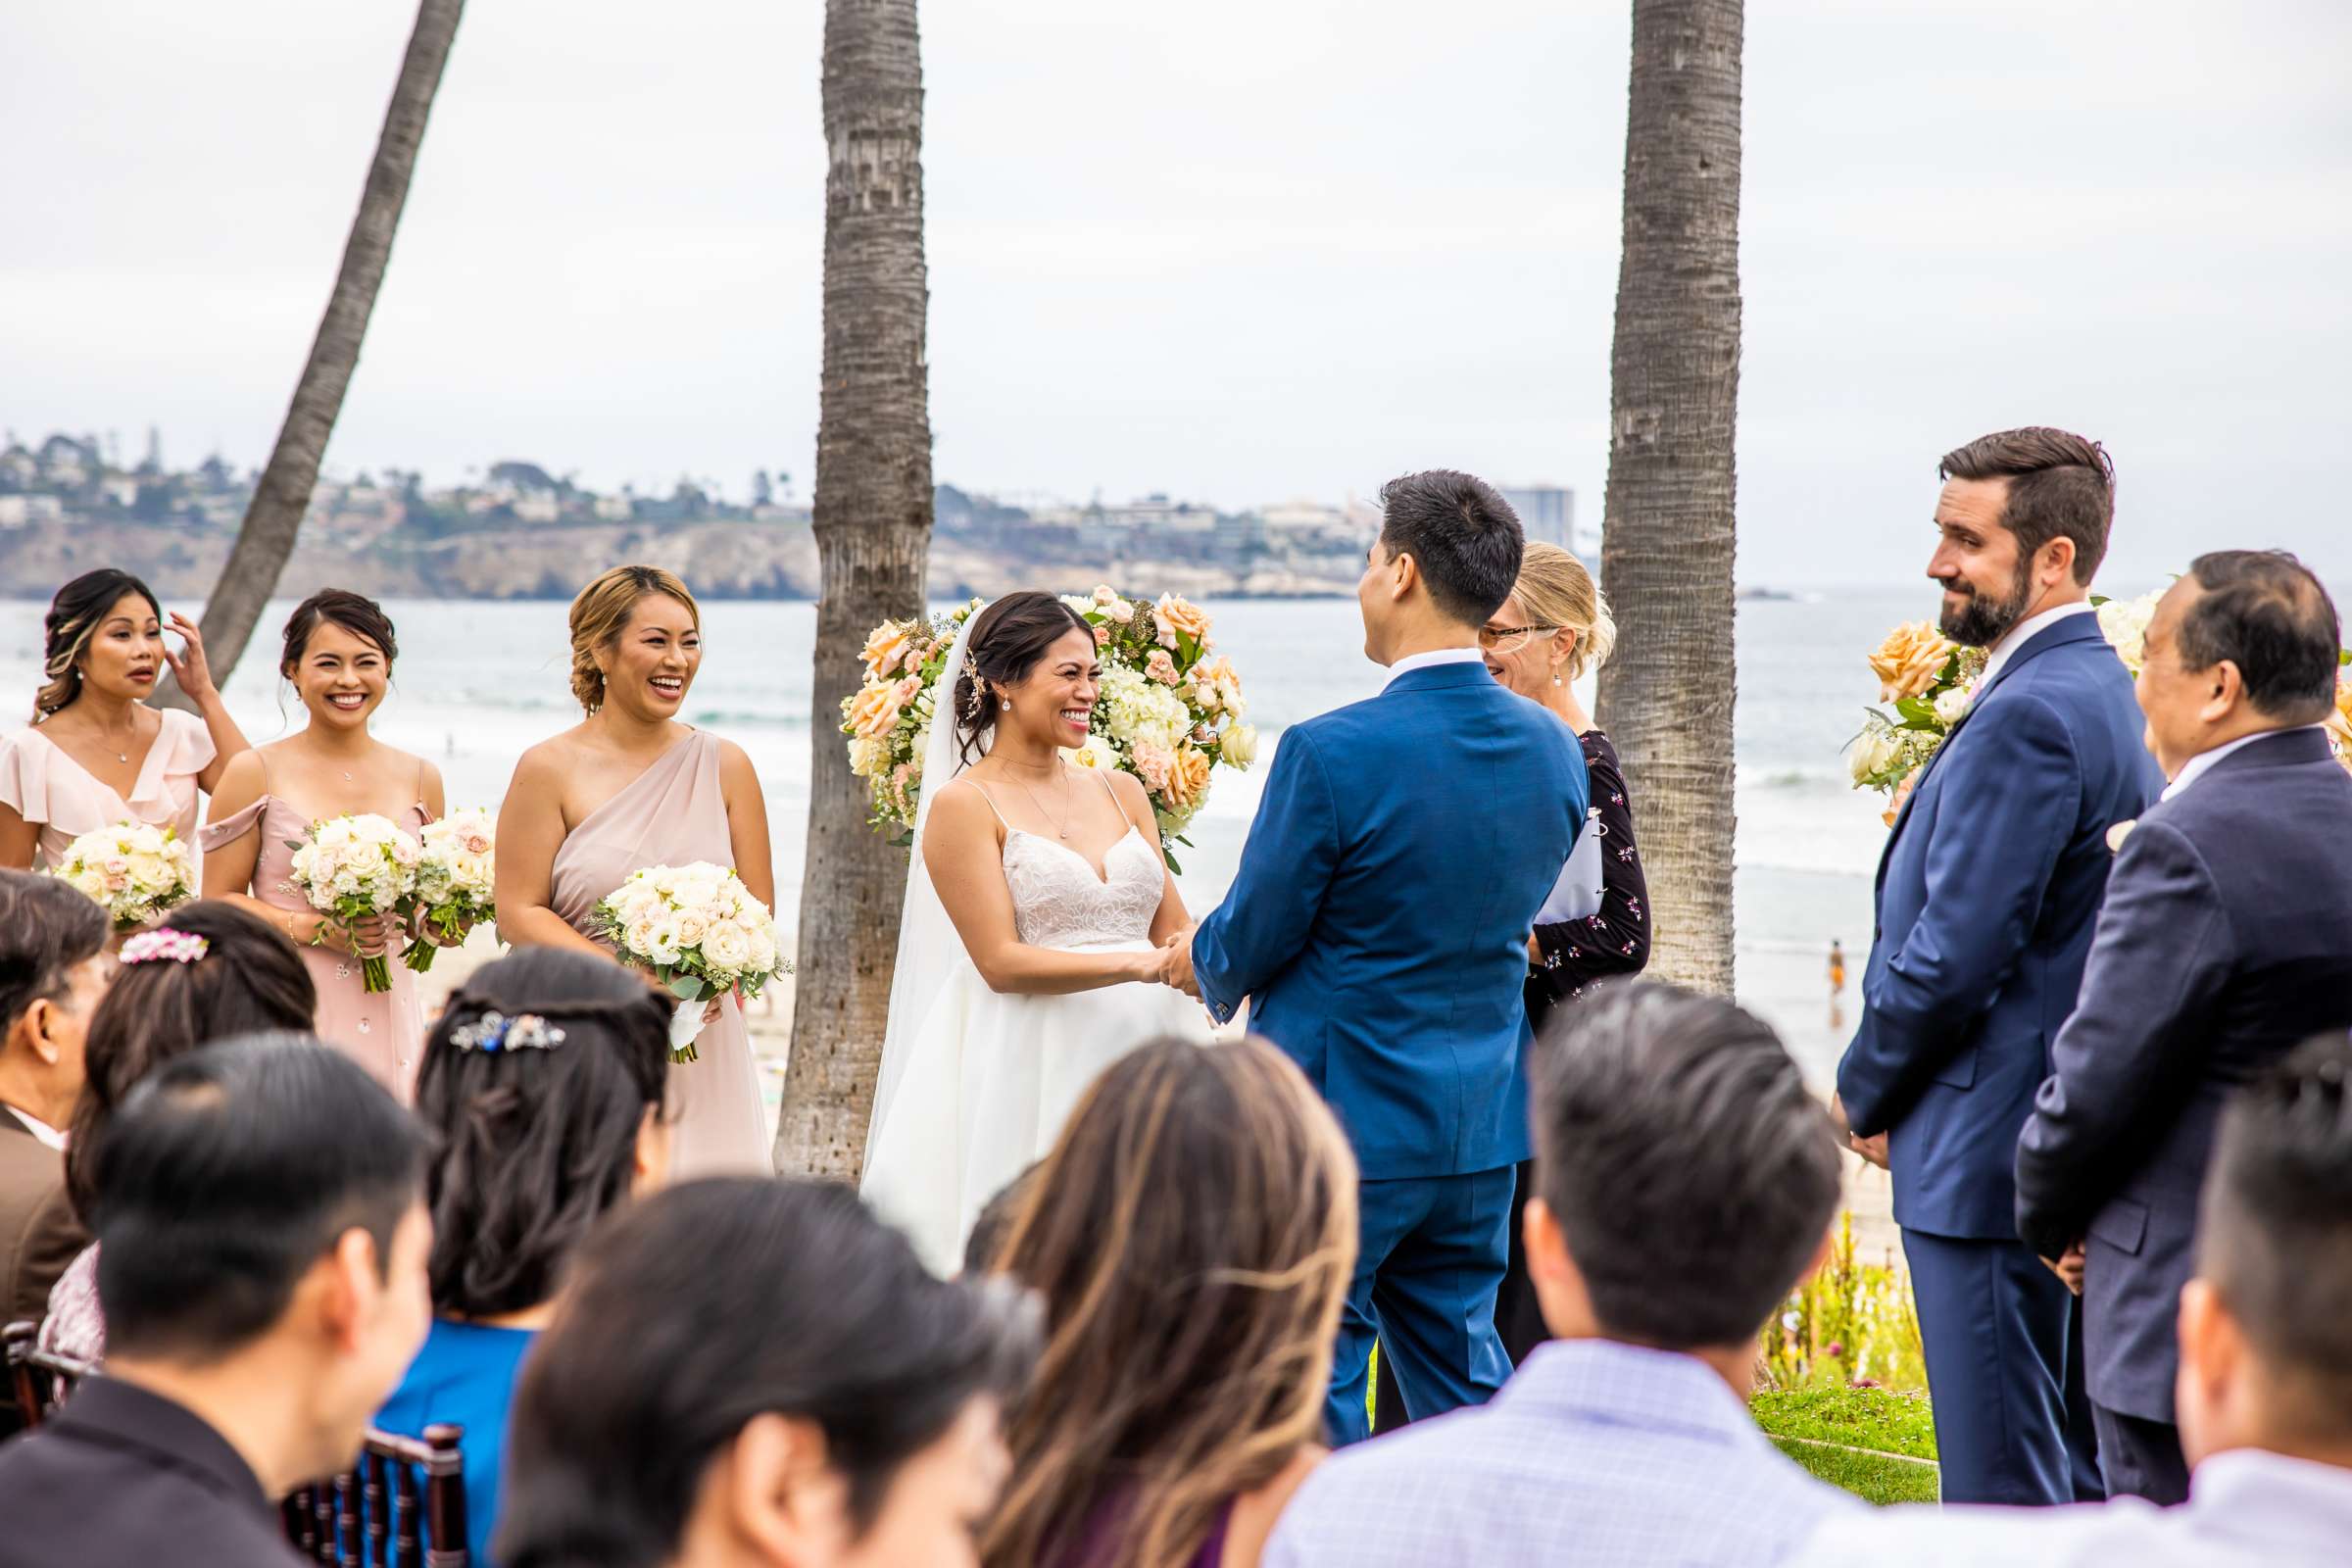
2226	942
1380	918
1987	892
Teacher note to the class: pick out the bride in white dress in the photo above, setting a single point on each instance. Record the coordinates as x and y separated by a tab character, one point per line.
1029	954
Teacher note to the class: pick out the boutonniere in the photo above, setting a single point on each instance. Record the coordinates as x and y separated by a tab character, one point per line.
2120	832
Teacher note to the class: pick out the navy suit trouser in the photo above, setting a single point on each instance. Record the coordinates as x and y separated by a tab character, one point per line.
1995	1325
1429	1258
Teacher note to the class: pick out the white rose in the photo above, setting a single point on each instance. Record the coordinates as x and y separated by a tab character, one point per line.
1239	745
1952	704
1870	755
727	946
693	928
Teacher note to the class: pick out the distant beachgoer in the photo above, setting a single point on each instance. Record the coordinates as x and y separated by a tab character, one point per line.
96	754
338	653
631	787
1837	968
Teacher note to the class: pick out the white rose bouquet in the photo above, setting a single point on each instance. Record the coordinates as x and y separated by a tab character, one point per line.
698	928
1169	709
455	874
349	868
132	870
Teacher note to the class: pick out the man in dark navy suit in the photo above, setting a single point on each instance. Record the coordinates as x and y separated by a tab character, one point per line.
2225	939
1987	896
1378	925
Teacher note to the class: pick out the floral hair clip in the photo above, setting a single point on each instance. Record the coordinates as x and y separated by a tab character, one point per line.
495	1031
178	947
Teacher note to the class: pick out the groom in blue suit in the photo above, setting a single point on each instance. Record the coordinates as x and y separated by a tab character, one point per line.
1379	927
1987	894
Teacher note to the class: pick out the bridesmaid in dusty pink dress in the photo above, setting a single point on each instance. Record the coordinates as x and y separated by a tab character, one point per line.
338	654
631	787
97	754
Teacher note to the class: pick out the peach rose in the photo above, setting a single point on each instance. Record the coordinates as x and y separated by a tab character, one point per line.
2339	727
874	712
1153	763
1161	667
1188	778
1178	618
1908	662
885	648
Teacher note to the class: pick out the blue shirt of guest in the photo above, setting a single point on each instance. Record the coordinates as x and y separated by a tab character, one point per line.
465	1376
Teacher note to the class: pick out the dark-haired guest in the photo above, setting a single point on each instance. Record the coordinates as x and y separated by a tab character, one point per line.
337	654
759	1372
1685	1180
2226	937
1191	1234
260	1206
96	754
544	1082
212	972
2265	1389
53	970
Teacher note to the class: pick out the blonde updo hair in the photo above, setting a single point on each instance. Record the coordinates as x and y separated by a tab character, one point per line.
1555	590
601	613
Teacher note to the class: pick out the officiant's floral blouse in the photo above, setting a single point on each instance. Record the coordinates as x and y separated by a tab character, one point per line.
1578	955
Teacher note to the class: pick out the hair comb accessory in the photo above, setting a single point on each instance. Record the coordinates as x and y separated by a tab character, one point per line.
495	1031
177	947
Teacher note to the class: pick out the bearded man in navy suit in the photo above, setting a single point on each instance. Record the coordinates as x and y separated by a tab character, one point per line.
1986	896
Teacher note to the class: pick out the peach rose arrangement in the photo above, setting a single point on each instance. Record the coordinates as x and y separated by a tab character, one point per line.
1170	709
1926	682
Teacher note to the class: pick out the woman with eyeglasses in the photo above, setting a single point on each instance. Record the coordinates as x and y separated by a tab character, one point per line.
1554	628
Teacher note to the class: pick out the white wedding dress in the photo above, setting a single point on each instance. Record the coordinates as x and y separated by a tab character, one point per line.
975	1085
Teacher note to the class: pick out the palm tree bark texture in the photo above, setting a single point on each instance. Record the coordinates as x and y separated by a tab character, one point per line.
1667	553
265	540
873	536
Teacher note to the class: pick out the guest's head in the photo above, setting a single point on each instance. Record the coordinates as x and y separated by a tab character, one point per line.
1193	1234
2249	641
2266	1343
636	642
760	1372
1684	1176
338	652
2023	519
1029	660
262	1235
237	976
1554	627
995	1223
1445	560
104	631
545	1081
53	970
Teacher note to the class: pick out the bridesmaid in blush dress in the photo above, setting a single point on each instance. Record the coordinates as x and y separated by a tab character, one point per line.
338	654
631	787
97	754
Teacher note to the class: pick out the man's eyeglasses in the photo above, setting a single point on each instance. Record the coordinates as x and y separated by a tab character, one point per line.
1507	639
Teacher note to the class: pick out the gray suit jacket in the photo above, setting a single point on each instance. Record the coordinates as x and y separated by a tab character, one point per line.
2225	939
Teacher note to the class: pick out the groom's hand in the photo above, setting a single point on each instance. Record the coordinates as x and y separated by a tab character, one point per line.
1178	970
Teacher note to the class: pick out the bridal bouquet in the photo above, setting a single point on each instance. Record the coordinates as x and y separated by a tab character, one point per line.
698	928
349	868
133	871
1170	706
1928	681
456	872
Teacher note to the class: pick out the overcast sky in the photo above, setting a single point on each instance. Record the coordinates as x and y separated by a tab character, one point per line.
1236	250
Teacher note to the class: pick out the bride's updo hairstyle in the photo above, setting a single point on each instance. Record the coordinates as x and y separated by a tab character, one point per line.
1008	640
1555	590
72	620
601	613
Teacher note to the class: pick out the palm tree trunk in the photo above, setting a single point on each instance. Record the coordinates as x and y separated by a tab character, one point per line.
265	540
1666	559
873	538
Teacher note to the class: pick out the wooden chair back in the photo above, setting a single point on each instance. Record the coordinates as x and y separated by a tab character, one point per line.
380	1512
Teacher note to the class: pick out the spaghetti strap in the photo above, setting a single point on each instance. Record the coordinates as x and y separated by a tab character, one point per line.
991	804
1103	773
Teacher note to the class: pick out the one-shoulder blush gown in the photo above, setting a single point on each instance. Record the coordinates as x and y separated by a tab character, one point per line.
673	813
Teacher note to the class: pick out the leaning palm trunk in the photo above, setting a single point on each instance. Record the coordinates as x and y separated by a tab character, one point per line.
1666	560
266	541
873	538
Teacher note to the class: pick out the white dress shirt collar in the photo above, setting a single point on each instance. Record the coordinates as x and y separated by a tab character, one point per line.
2197	767
1434	656
2024	631
40	1130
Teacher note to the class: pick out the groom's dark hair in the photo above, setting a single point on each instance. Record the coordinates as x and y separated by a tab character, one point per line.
1461	533
1692	1172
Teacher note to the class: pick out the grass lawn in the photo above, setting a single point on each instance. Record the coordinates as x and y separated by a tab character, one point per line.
1871	1442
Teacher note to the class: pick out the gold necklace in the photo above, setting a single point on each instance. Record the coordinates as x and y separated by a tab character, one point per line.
1061	828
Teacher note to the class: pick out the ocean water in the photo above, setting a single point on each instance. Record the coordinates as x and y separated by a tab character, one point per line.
477	682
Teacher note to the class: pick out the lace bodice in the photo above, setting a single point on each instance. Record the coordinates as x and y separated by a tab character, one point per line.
1058	901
